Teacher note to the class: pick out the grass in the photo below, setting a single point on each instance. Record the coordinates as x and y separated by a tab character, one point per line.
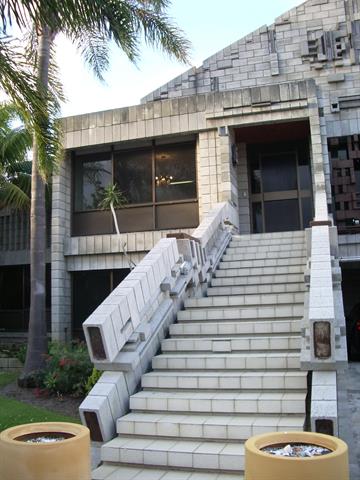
13	412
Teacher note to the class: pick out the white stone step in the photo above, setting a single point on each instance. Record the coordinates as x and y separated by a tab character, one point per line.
109	471
279	278
246	313
206	427
230	345
234	328
271	235
265	262
225	380
219	402
171	453
245	300
251	248
259	242
226	361
230	256
258	271
256	289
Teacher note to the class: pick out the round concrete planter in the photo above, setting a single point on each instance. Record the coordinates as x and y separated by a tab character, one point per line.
65	459
264	466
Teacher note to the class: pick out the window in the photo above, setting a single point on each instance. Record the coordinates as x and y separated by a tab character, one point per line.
158	181
133	175
15	297
92	175
175	173
89	289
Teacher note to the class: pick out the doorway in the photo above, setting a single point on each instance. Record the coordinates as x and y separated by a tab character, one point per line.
280	186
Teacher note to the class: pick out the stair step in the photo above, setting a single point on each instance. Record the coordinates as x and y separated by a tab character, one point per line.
265	262
251	248
229	345
262	242
256	289
235	328
246	312
234	361
256	271
272	235
219	402
223	380
230	256
245	300
120	472
170	453
206	427
280	278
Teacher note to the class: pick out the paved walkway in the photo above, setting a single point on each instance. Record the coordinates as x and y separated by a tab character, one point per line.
349	414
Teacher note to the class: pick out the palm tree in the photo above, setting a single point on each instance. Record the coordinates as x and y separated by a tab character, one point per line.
15	166
113	198
91	25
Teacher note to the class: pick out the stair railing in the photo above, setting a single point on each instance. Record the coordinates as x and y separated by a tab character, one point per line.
124	332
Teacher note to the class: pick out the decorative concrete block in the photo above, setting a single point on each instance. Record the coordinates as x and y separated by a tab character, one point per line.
95	413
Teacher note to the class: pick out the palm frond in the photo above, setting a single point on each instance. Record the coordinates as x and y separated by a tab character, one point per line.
94	50
12	195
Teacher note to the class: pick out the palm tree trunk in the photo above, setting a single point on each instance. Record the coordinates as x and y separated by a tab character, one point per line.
114	218
37	334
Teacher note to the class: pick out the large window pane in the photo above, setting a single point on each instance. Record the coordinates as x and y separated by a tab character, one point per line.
255	176
91	177
175	177
279	172
307	211
257	217
133	175
12	288
282	215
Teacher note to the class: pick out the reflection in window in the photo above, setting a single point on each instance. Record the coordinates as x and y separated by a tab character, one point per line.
255	176
175	174
133	172
91	177
257	217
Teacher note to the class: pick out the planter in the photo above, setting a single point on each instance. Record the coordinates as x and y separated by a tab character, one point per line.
265	466
66	455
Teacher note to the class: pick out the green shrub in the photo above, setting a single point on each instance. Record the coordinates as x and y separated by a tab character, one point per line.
68	368
14	351
93	378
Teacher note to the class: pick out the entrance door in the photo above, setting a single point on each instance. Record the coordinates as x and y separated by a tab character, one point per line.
280	187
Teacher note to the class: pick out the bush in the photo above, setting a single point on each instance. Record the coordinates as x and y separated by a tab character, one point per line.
94	377
14	351
68	368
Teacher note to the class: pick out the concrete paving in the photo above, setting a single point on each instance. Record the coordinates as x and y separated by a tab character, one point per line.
349	414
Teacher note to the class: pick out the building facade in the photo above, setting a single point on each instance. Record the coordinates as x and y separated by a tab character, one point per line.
270	123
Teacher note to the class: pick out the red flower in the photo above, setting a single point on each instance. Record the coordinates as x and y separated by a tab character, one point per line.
63	362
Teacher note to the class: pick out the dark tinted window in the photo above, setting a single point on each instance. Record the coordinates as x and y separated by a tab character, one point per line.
91	177
175	174
282	215
279	172
133	175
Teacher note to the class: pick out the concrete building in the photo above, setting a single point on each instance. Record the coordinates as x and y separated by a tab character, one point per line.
286	98
268	127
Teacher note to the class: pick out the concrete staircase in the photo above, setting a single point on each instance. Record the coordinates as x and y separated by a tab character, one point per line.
229	370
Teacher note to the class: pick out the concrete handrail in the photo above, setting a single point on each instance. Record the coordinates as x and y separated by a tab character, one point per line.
125	331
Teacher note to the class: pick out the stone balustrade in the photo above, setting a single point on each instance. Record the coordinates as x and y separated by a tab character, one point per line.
324	348
125	331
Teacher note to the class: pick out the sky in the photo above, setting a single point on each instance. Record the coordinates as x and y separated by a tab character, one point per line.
210	25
